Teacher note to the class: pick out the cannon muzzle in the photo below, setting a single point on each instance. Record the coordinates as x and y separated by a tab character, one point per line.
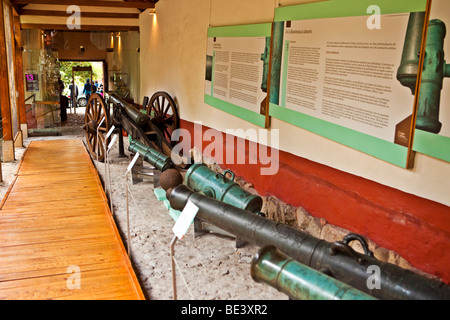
299	282
133	113
157	159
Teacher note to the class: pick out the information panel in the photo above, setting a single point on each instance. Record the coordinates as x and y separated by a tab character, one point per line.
432	135
237	66
335	72
32	82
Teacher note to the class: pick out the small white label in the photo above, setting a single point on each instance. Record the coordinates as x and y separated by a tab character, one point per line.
185	220
101	122
112	142
131	165
110	131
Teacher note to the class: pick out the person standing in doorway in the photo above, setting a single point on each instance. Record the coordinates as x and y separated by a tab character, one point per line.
63	101
73	94
87	89
95	87
60	86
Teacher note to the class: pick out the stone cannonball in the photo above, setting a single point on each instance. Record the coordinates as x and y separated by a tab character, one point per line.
170	178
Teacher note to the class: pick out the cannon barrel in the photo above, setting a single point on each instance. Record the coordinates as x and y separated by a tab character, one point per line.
277	54
299	282
133	113
335	259
216	185
157	159
409	65
434	71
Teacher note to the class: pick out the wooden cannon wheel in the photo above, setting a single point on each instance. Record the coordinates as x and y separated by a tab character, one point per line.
96	110
163	114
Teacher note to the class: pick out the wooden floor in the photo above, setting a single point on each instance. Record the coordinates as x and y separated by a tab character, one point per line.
58	239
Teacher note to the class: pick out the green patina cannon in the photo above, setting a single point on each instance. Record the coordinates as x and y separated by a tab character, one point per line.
434	71
157	159
277	54
216	185
265	57
409	65
299	282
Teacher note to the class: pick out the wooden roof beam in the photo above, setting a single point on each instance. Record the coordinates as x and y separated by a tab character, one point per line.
27	12
63	27
89	3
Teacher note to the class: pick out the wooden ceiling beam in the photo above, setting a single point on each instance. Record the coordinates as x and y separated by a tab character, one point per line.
63	27
25	12
89	3
148	1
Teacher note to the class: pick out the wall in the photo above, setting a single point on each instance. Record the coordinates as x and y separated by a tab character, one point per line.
130	63
389	204
125	59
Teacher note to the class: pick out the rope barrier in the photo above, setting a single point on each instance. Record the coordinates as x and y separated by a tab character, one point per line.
161	243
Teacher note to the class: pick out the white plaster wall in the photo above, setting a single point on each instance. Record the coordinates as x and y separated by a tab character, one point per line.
130	62
126	58
173	49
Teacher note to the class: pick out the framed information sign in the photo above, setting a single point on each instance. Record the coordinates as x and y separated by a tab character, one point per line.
237	66
32	82
338	71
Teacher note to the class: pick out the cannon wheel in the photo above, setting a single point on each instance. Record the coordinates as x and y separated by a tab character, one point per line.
96	109
163	114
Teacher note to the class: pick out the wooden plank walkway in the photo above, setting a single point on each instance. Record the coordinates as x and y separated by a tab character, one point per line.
57	232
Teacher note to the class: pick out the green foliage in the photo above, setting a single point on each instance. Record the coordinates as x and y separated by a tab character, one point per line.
79	76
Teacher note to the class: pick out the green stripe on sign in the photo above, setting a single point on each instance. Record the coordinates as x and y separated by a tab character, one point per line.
346	8
237	111
251	30
379	148
432	144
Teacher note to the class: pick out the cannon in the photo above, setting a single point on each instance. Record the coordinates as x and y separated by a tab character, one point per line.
434	71
299	282
150	124
409	64
216	185
336	259
159	160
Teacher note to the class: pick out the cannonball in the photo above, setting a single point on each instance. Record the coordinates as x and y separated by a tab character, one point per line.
170	178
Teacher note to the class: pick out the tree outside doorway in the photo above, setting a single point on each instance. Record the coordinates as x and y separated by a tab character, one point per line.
80	77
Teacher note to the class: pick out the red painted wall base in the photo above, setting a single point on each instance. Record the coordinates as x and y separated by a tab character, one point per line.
417	228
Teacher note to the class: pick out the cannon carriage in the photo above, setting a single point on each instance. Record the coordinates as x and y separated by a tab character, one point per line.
150	124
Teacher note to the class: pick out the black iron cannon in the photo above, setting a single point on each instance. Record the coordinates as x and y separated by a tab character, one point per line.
336	259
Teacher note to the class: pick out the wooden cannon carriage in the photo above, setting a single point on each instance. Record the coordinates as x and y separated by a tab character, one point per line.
152	124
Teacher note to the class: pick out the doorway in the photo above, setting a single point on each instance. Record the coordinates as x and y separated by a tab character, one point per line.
75	74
